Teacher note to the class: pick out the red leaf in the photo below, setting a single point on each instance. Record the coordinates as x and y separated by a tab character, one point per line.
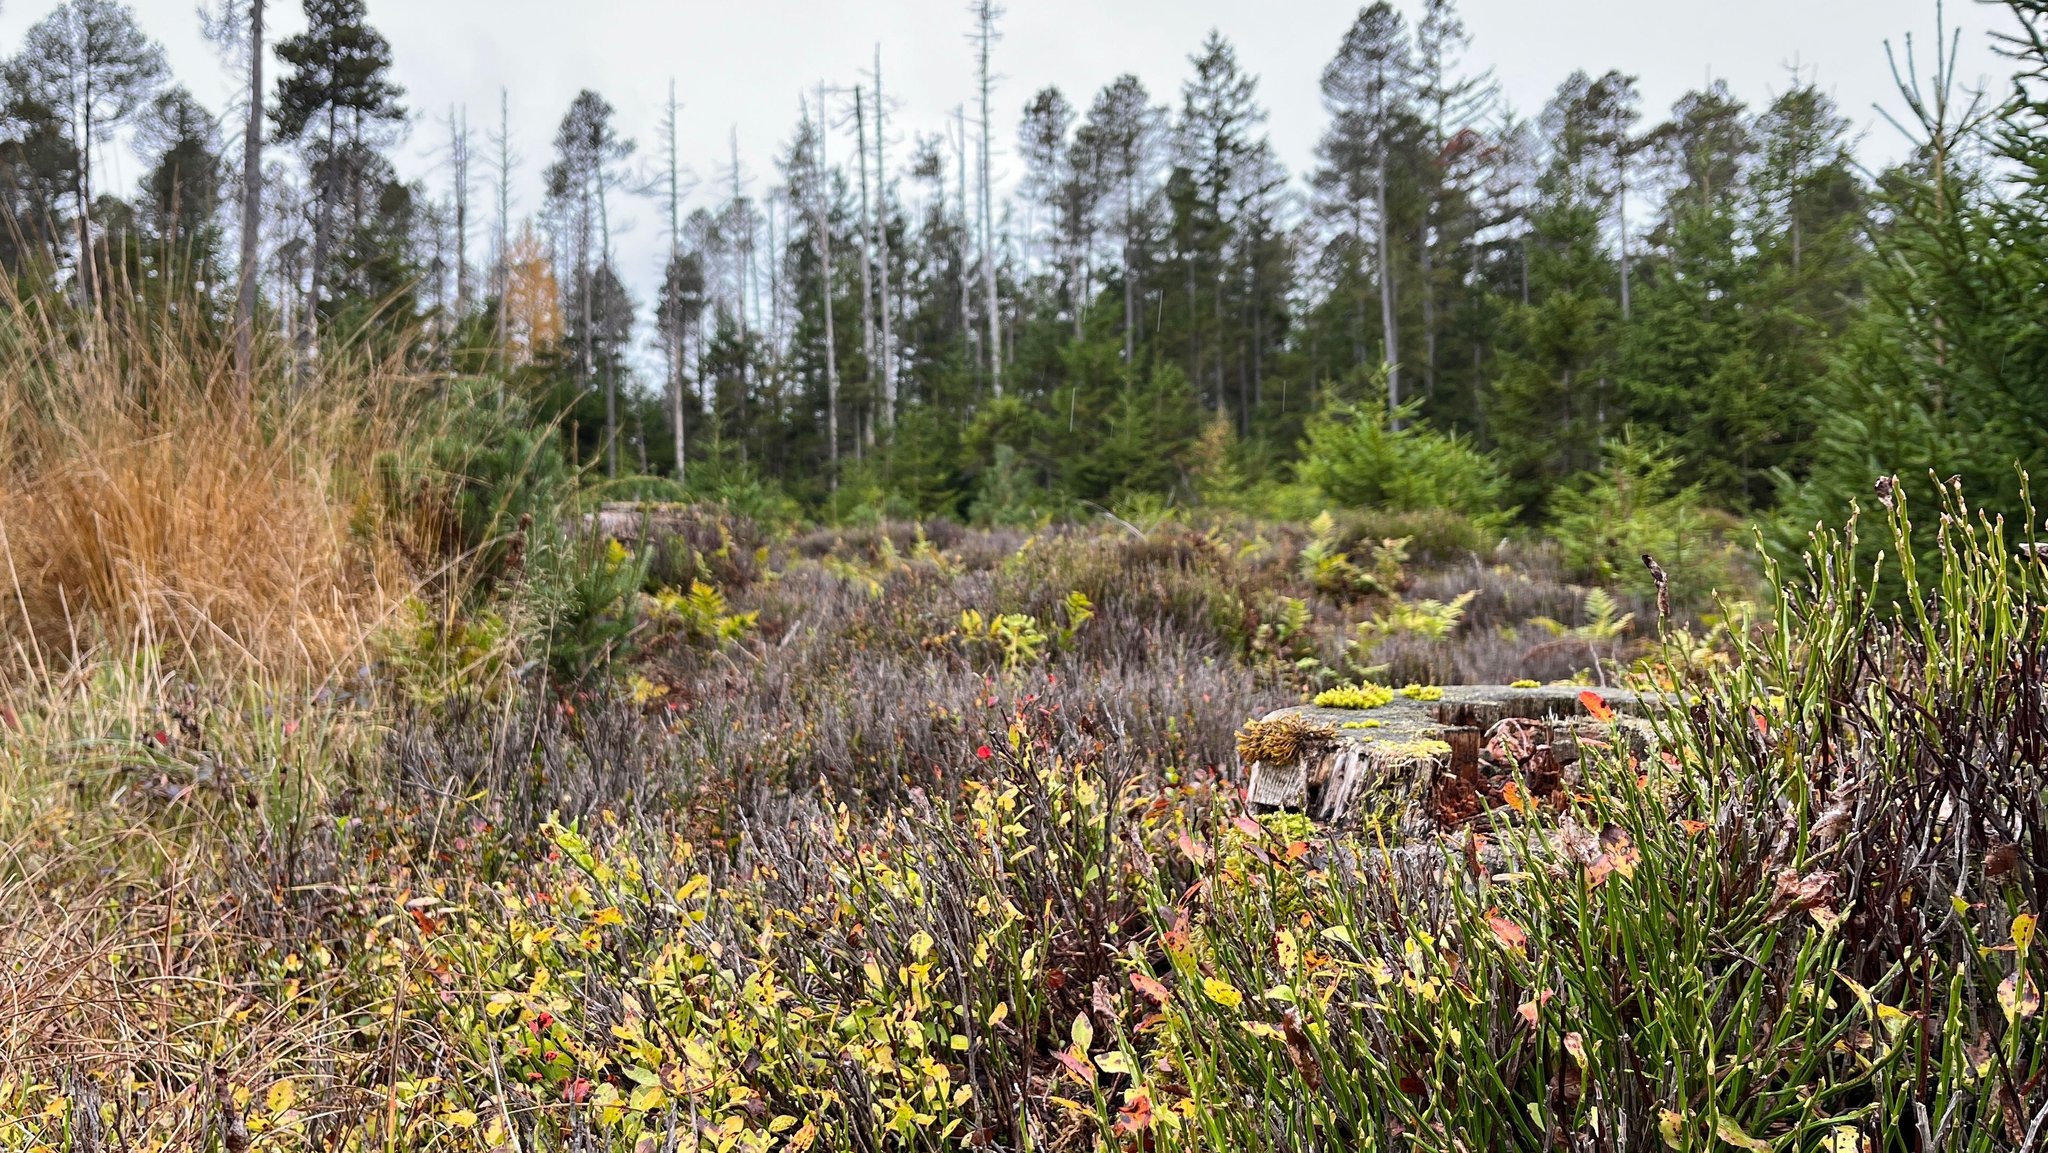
1510	934
1135	1117
1596	706
1081	1070
1249	827
984	752
1151	989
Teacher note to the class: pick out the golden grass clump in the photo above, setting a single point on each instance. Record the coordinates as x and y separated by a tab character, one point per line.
148	500
1284	740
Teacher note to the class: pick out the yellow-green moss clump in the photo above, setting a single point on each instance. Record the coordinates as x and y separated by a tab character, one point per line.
1526	684
1361	724
1283	740
1423	748
1423	693
1365	696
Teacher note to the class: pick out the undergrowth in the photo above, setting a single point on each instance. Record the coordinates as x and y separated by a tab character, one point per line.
907	837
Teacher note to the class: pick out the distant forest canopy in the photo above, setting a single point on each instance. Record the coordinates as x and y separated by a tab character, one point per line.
1461	305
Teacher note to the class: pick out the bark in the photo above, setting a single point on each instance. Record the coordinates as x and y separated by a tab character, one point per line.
252	211
674	338
867	281
1389	327
988	263
966	234
882	252
820	210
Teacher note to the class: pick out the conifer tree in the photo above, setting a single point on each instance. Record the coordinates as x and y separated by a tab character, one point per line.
90	62
337	101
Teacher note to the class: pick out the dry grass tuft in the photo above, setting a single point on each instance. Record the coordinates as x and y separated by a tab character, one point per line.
147	502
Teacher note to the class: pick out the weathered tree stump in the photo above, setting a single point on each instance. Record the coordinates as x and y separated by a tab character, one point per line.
1348	765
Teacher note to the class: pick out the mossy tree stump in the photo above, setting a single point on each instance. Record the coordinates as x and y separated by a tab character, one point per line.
1345	765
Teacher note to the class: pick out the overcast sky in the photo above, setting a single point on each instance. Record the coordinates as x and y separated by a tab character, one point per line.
742	66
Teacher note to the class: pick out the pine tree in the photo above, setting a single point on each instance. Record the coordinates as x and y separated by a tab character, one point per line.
38	185
1550	405
588	151
92	63
338	103
1120	141
1946	373
1367	88
181	192
1221	167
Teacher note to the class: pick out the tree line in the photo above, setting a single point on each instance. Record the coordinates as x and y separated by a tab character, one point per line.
1157	311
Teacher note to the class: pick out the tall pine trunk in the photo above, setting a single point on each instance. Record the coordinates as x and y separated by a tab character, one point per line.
882	252
676	349
252	211
987	14
822	210
867	281
1389	328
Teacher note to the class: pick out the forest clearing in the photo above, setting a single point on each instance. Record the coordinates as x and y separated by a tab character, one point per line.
1524	634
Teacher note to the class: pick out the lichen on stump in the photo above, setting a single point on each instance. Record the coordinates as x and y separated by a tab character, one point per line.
1342	765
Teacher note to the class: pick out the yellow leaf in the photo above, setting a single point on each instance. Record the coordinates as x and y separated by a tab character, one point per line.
609	915
281	1097
459	1118
1082	1032
1727	1130
2019	996
2023	931
1222	992
646	1098
1671	1126
1115	1061
1845	1139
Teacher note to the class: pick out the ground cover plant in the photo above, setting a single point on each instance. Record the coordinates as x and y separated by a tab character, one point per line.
910	836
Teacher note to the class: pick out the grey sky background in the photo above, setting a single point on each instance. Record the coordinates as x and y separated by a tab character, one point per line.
742	67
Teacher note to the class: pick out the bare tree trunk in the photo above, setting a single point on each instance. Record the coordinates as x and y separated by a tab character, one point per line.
323	228
460	129
966	238
1428	314
252	212
820	209
1130	270
502	272
88	290
882	251
867	283
1389	326
745	270
986	13
1621	214
673	340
